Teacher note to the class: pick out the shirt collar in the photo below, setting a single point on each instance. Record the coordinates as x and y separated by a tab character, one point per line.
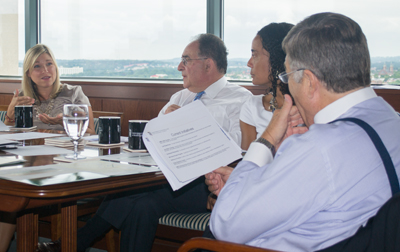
216	87
342	105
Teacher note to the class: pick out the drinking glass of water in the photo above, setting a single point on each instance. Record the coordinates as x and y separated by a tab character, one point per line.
76	121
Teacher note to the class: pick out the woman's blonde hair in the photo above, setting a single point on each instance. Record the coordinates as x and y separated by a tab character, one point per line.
28	86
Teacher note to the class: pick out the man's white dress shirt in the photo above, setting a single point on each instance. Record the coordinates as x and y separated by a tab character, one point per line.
224	101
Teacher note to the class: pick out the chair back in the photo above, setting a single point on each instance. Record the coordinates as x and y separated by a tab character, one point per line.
3	112
3	116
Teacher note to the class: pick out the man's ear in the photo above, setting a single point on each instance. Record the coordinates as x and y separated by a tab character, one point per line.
311	82
209	64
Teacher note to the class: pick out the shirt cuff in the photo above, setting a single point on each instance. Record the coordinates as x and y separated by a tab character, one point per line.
259	154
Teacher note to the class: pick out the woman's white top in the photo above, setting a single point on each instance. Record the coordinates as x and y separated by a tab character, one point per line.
254	113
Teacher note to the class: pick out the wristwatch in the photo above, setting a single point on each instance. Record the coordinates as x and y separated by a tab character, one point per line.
267	144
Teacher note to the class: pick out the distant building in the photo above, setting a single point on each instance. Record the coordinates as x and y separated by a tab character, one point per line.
159	76
384	70
70	70
136	66
63	70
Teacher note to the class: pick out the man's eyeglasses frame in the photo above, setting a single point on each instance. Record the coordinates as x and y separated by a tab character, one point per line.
185	60
284	77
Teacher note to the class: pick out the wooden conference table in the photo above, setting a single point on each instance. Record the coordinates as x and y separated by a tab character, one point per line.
24	199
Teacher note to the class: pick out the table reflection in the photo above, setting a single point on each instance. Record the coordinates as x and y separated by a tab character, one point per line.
39	160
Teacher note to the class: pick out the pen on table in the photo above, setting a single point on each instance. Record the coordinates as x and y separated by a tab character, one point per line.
115	161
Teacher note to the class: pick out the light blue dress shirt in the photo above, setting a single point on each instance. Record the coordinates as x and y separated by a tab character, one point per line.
320	187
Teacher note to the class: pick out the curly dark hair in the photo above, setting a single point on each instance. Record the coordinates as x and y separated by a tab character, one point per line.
272	36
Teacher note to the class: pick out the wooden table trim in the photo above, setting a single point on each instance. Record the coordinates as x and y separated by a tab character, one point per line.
24	198
27	230
69	225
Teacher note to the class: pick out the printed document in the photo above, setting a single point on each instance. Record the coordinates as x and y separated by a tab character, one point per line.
3	127
189	143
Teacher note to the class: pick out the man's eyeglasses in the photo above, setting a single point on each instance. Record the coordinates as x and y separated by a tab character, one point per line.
284	77
185	60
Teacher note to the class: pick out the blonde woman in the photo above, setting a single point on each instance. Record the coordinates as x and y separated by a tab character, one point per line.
41	87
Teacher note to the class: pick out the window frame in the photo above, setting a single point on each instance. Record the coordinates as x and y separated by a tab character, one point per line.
214	25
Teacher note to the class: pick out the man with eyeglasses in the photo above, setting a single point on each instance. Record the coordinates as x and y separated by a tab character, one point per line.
203	67
321	185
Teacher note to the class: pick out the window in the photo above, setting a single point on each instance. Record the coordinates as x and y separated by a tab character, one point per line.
144	39
12	36
125	38
380	21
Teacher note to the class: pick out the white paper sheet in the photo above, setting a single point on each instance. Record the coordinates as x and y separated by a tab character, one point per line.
32	172
10	160
47	175
36	150
4	127
30	135
132	158
189	143
108	168
5	142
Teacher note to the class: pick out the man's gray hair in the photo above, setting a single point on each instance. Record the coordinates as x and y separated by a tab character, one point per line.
333	47
213	47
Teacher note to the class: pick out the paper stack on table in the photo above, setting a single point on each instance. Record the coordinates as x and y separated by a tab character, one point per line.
30	136
11	160
94	141
7	144
62	142
38	150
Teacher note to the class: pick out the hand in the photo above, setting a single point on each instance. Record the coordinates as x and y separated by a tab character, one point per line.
172	108
211	202
18	100
51	120
217	179
284	123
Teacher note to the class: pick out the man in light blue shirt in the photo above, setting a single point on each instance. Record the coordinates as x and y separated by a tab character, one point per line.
324	183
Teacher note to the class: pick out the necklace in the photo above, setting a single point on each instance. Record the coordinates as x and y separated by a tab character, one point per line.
273	104
42	109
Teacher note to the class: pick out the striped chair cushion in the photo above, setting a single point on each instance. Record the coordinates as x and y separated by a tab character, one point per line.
96	125
189	221
3	115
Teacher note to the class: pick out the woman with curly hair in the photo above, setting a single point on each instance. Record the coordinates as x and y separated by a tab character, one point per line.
266	62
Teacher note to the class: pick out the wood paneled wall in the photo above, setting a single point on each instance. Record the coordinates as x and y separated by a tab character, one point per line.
143	101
